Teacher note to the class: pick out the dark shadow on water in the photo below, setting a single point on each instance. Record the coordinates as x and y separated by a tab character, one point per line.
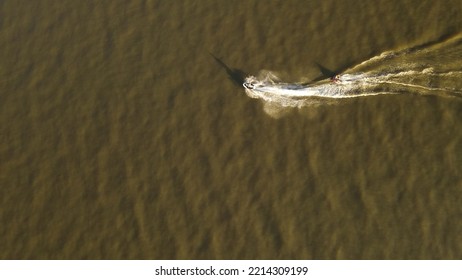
237	76
325	74
443	38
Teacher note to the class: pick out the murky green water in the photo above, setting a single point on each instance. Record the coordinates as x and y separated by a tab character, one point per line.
121	138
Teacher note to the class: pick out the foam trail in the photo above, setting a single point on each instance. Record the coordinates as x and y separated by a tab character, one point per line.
429	70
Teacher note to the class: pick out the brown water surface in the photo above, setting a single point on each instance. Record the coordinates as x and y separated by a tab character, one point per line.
120	137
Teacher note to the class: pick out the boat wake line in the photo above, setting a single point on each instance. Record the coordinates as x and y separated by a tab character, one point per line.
431	69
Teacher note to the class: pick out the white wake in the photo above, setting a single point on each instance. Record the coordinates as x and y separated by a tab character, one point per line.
434	69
